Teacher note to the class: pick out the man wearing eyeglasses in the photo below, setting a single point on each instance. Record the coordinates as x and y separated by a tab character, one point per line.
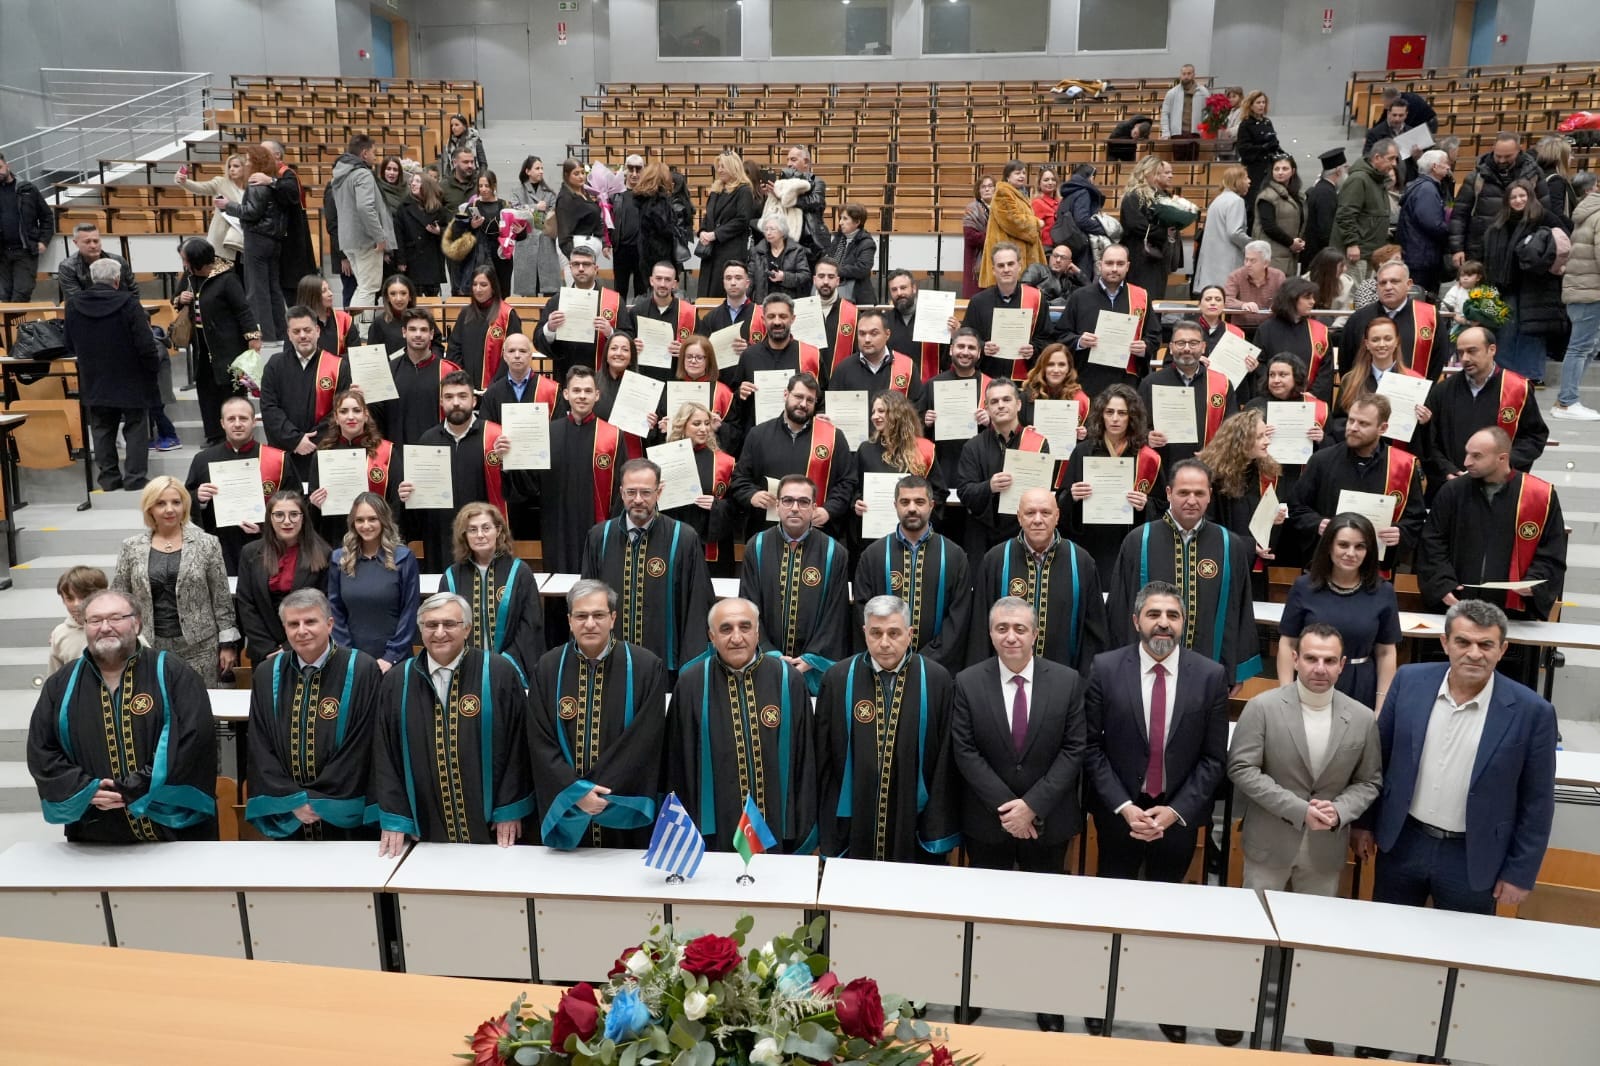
477	453
627	272
448	762
121	744
657	565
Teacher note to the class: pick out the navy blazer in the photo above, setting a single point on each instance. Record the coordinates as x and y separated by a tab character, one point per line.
1119	739
1511	800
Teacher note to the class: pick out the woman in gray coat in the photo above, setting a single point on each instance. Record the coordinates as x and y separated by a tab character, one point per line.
174	574
1222	244
778	264
537	270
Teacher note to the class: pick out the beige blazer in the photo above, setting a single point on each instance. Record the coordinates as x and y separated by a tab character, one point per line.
204	603
1269	766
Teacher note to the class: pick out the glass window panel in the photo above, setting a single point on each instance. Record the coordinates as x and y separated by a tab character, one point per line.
1115	25
830	28
972	26
698	29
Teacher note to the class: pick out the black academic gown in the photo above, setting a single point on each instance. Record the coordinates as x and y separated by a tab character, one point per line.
762	356
979	317
1080	317
470	335
1335	468
289	403
982	457
499	393
567	493
434	526
232	538
1212	572
946	452
734	734
258	604
1279	335
931	576
600	722
153	737
507	614
855	375
801	594
334	525
1065	593
564	354
716	526
889	787
1469	538
662	584
1103	542
416	410
1457	415
901	339
645	307
311	744
446	773
1171	452
770	451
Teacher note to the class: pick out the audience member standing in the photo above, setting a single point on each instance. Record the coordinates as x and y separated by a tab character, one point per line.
975	230
1518	252
225	236
1580	291
1280	214
117	363
418	223
1011	220
222	325
1222	250
537	265
1154	247
578	218
1258	146
261	214
1479	200
1361	221
1424	228
366	230
724	234
26	224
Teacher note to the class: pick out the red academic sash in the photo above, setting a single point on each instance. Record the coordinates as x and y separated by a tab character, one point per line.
1146	469
1030	302
271	470
327	384
1513	398
900	373
1424	324
1233	329
378	468
1533	511
1032	440
721	401
928	365
1216	402
925	453
1138	307
1319	348
607	441
810	360
341	325
819	462
610	308
493	340
844	338
721	478
686	320
758	325
546	391
1319	410
492	469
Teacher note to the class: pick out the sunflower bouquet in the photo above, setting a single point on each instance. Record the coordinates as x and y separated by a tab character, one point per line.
704	1001
1484	306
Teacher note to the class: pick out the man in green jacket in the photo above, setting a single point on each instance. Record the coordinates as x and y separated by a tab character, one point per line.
1362	218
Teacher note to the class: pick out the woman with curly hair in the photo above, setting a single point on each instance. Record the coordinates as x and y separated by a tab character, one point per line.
1118	427
1241	473
352	426
711	513
1154	248
896	446
1054	377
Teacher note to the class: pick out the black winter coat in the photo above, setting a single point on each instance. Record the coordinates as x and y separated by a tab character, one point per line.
419	249
793	261
856	258
229	324
658	230
1257	143
261	213
35	223
1518	258
1479	200
117	354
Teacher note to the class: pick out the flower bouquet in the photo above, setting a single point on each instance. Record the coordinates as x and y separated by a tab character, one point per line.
1485	306
1214	114
701	1002
246	371
1174	211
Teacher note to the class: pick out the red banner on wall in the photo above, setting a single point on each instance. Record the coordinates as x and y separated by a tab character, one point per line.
1406	53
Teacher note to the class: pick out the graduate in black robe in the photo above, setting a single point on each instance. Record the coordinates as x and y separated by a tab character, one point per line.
662	304
1211	570
660	577
418	372
1057	577
796	442
136	763
889	789
965	349
295	385
1362	462
1109	292
582	485
741	726
903	327
238	428
1505	399
1214	398
312	709
598	724
982	458
796	577
503	591
924	568
1008	293
451	769
474	470
564	355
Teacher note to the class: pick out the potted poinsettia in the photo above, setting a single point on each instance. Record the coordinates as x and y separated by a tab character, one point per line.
1214	115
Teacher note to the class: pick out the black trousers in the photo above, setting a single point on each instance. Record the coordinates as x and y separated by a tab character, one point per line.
1122	856
18	270
134	422
262	286
626	272
1030	856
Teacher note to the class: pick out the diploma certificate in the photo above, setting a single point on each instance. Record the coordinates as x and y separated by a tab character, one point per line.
1028	470
848	410
527	427
343	472
581	307
369	371
957	403
655	336
1058	421
432	482
877	492
1172	413
1291	422
1114	334
239	498
1111	480
935	308
680	474
636	400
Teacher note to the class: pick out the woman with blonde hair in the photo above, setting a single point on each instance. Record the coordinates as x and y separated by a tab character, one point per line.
724	233
1154	248
1241	473
174	574
895	445
1011	218
1222	249
507	615
225	237
265	227
710	515
1554	156
1054	376
373	585
1258	144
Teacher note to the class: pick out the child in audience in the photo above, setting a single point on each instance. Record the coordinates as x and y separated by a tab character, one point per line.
67	639
1469	277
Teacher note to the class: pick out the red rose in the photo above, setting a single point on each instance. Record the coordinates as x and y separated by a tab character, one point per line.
825	985
860	1010
621	965
578	1014
941	1057
486	1042
711	957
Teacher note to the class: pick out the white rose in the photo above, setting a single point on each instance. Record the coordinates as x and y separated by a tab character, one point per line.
766	1053
695	1006
768	951
639	963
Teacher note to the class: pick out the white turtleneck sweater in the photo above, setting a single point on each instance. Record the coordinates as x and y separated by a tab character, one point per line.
1316	713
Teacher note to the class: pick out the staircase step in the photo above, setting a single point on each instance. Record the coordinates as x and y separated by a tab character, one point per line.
27	616
17	792
30	825
42	572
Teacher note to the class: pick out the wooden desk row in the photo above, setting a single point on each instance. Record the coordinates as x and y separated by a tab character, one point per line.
1478	988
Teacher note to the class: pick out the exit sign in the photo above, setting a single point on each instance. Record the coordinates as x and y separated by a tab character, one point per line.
569	5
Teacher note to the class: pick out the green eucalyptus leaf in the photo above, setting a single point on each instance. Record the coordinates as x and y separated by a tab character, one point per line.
630	1055
526	1056
811	1041
659	1042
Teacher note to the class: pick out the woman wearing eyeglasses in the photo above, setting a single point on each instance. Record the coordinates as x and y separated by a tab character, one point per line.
290	555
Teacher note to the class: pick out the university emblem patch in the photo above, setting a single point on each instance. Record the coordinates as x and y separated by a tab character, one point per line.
655	567
142	703
866	712
822	451
325	383
469	706
1528	531
1216	401
375	476
1019	587
269	486
896	578
1208	568
328	708
811	576
569	708
1508	415
771	717
603	461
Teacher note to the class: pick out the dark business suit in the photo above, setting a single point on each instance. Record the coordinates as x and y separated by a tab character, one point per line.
1510	803
1045	775
1119	753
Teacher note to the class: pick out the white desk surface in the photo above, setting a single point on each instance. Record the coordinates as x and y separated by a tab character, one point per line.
1448	938
1578	768
560	584
229	704
235	865
1065	901
603	874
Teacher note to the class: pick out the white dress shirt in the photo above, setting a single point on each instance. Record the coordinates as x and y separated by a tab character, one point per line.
1444	770
1147	683
1008	690
441	673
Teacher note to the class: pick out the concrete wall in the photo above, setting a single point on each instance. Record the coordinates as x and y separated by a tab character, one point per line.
259	37
1561	31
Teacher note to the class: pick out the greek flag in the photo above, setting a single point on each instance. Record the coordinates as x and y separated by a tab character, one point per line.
676	845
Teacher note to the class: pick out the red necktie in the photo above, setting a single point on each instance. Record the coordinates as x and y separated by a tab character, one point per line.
1155	773
1019	714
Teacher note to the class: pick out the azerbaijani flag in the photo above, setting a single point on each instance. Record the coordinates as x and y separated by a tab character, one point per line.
752	837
